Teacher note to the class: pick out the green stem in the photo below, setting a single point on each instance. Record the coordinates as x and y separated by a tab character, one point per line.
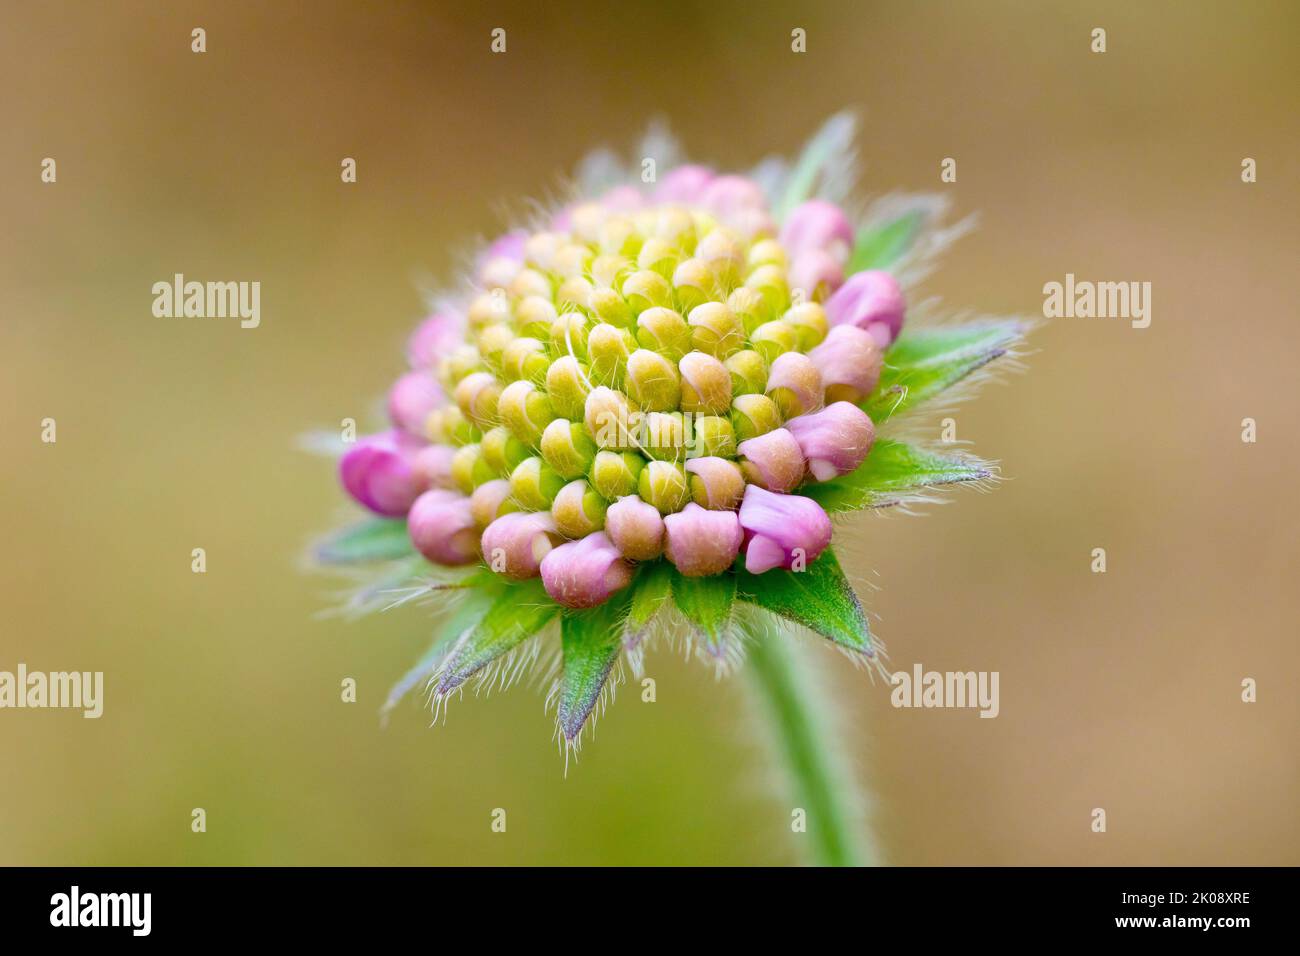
804	735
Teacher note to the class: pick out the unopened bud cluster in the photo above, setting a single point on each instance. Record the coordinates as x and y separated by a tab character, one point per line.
653	375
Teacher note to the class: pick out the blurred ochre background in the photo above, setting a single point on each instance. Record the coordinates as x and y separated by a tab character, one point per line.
1118	690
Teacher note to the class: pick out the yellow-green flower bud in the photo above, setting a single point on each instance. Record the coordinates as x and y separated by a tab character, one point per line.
652	381
749	307
608	272
706	383
566	384
614	474
664	331
526	411
578	510
586	220
721	248
568	448
658	255
574	293
713	435
676	225
489	309
607	416
693	283
541	248
774	338
766	252
569	335
608	348
753	415
459	362
619	236
609	306
808	319
449	426
663	484
534	315
491	340
534	484
716	483
477	396
485	505
530	282
573	259
663	435
717	330
794	383
748	373
770	282
525	358
502	450
468	469
645	290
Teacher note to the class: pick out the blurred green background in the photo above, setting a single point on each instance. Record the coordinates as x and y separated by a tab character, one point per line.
1118	690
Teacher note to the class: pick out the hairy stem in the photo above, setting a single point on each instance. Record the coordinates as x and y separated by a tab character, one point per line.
805	737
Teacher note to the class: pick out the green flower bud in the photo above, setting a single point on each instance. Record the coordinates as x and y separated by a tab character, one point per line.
706	383
693	283
725	253
568	448
530	282
573	260
541	248
586	220
534	315
609	272
468	469
486	504
664	331
578	511
663	484
716	330
608	348
569	335
534	484
749	307
619	236
490	308
477	396
491	341
652	381
748	373
808	319
774	338
608	418
461	361
663	435
502	450
566	384
769	282
609	306
614	474
449	426
713	435
526	411
716	483
676	225
753	415
645	290
525	358
574	293
766	252
658	255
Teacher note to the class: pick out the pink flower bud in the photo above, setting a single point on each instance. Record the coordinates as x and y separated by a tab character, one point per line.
772	460
872	301
516	543
486	501
411	399
377	471
835	440
817	273
585	573
442	527
432	465
509	246
730	198
433	338
685	184
795	384
849	361
623	199
782	531
635	528
817	224
701	542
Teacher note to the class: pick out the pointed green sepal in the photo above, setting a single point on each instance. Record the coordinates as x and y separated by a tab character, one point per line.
650	591
925	362
519	611
893	472
590	641
375	539
824	168
879	246
818	597
466	614
706	603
